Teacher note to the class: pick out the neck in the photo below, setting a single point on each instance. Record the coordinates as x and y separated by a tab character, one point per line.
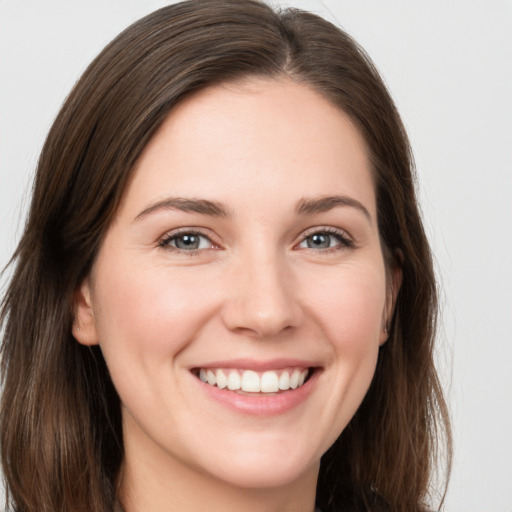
146	487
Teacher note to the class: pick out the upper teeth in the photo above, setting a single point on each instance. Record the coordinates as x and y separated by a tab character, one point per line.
255	382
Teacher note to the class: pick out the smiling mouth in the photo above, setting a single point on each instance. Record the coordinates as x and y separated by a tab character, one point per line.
254	382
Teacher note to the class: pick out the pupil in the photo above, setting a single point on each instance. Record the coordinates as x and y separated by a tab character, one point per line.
187	242
319	240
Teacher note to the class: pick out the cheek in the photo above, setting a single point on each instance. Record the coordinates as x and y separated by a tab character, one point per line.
145	319
351	309
149	313
349	313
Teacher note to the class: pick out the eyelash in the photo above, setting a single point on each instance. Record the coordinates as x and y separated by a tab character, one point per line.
345	242
165	242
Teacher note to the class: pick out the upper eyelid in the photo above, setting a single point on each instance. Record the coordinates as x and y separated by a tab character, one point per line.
326	229
192	230
168	236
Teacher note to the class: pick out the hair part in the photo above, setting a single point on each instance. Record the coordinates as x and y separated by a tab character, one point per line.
61	429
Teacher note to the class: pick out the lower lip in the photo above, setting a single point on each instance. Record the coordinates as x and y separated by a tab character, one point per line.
261	405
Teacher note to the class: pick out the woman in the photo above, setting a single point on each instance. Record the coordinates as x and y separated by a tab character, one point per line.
224	296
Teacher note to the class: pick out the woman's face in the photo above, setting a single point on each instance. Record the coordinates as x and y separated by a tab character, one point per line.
246	253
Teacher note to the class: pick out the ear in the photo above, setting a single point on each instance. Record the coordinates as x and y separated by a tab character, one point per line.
84	323
395	282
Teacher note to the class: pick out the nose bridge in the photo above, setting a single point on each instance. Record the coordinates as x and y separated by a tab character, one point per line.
262	297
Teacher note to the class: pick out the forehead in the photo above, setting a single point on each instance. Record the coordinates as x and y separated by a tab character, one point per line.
257	135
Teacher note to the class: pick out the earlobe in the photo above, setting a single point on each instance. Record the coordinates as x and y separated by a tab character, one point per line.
393	289
84	323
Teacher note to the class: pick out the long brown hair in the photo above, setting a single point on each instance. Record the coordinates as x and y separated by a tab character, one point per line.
61	435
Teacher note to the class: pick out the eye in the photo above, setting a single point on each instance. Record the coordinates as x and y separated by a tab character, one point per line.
187	241
326	239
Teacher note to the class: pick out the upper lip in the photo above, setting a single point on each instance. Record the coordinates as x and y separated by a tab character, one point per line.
259	365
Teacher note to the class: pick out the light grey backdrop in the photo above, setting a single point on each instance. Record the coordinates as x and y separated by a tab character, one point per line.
448	65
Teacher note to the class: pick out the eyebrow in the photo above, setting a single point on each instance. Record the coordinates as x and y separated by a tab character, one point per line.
202	206
305	206
325	203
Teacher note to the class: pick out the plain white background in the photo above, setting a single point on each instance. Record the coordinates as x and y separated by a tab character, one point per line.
448	65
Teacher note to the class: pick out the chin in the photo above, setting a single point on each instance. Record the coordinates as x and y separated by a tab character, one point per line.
255	461
266	474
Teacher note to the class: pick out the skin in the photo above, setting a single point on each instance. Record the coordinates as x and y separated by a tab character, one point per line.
254	289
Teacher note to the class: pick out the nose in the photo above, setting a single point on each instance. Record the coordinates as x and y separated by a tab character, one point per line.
261	298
